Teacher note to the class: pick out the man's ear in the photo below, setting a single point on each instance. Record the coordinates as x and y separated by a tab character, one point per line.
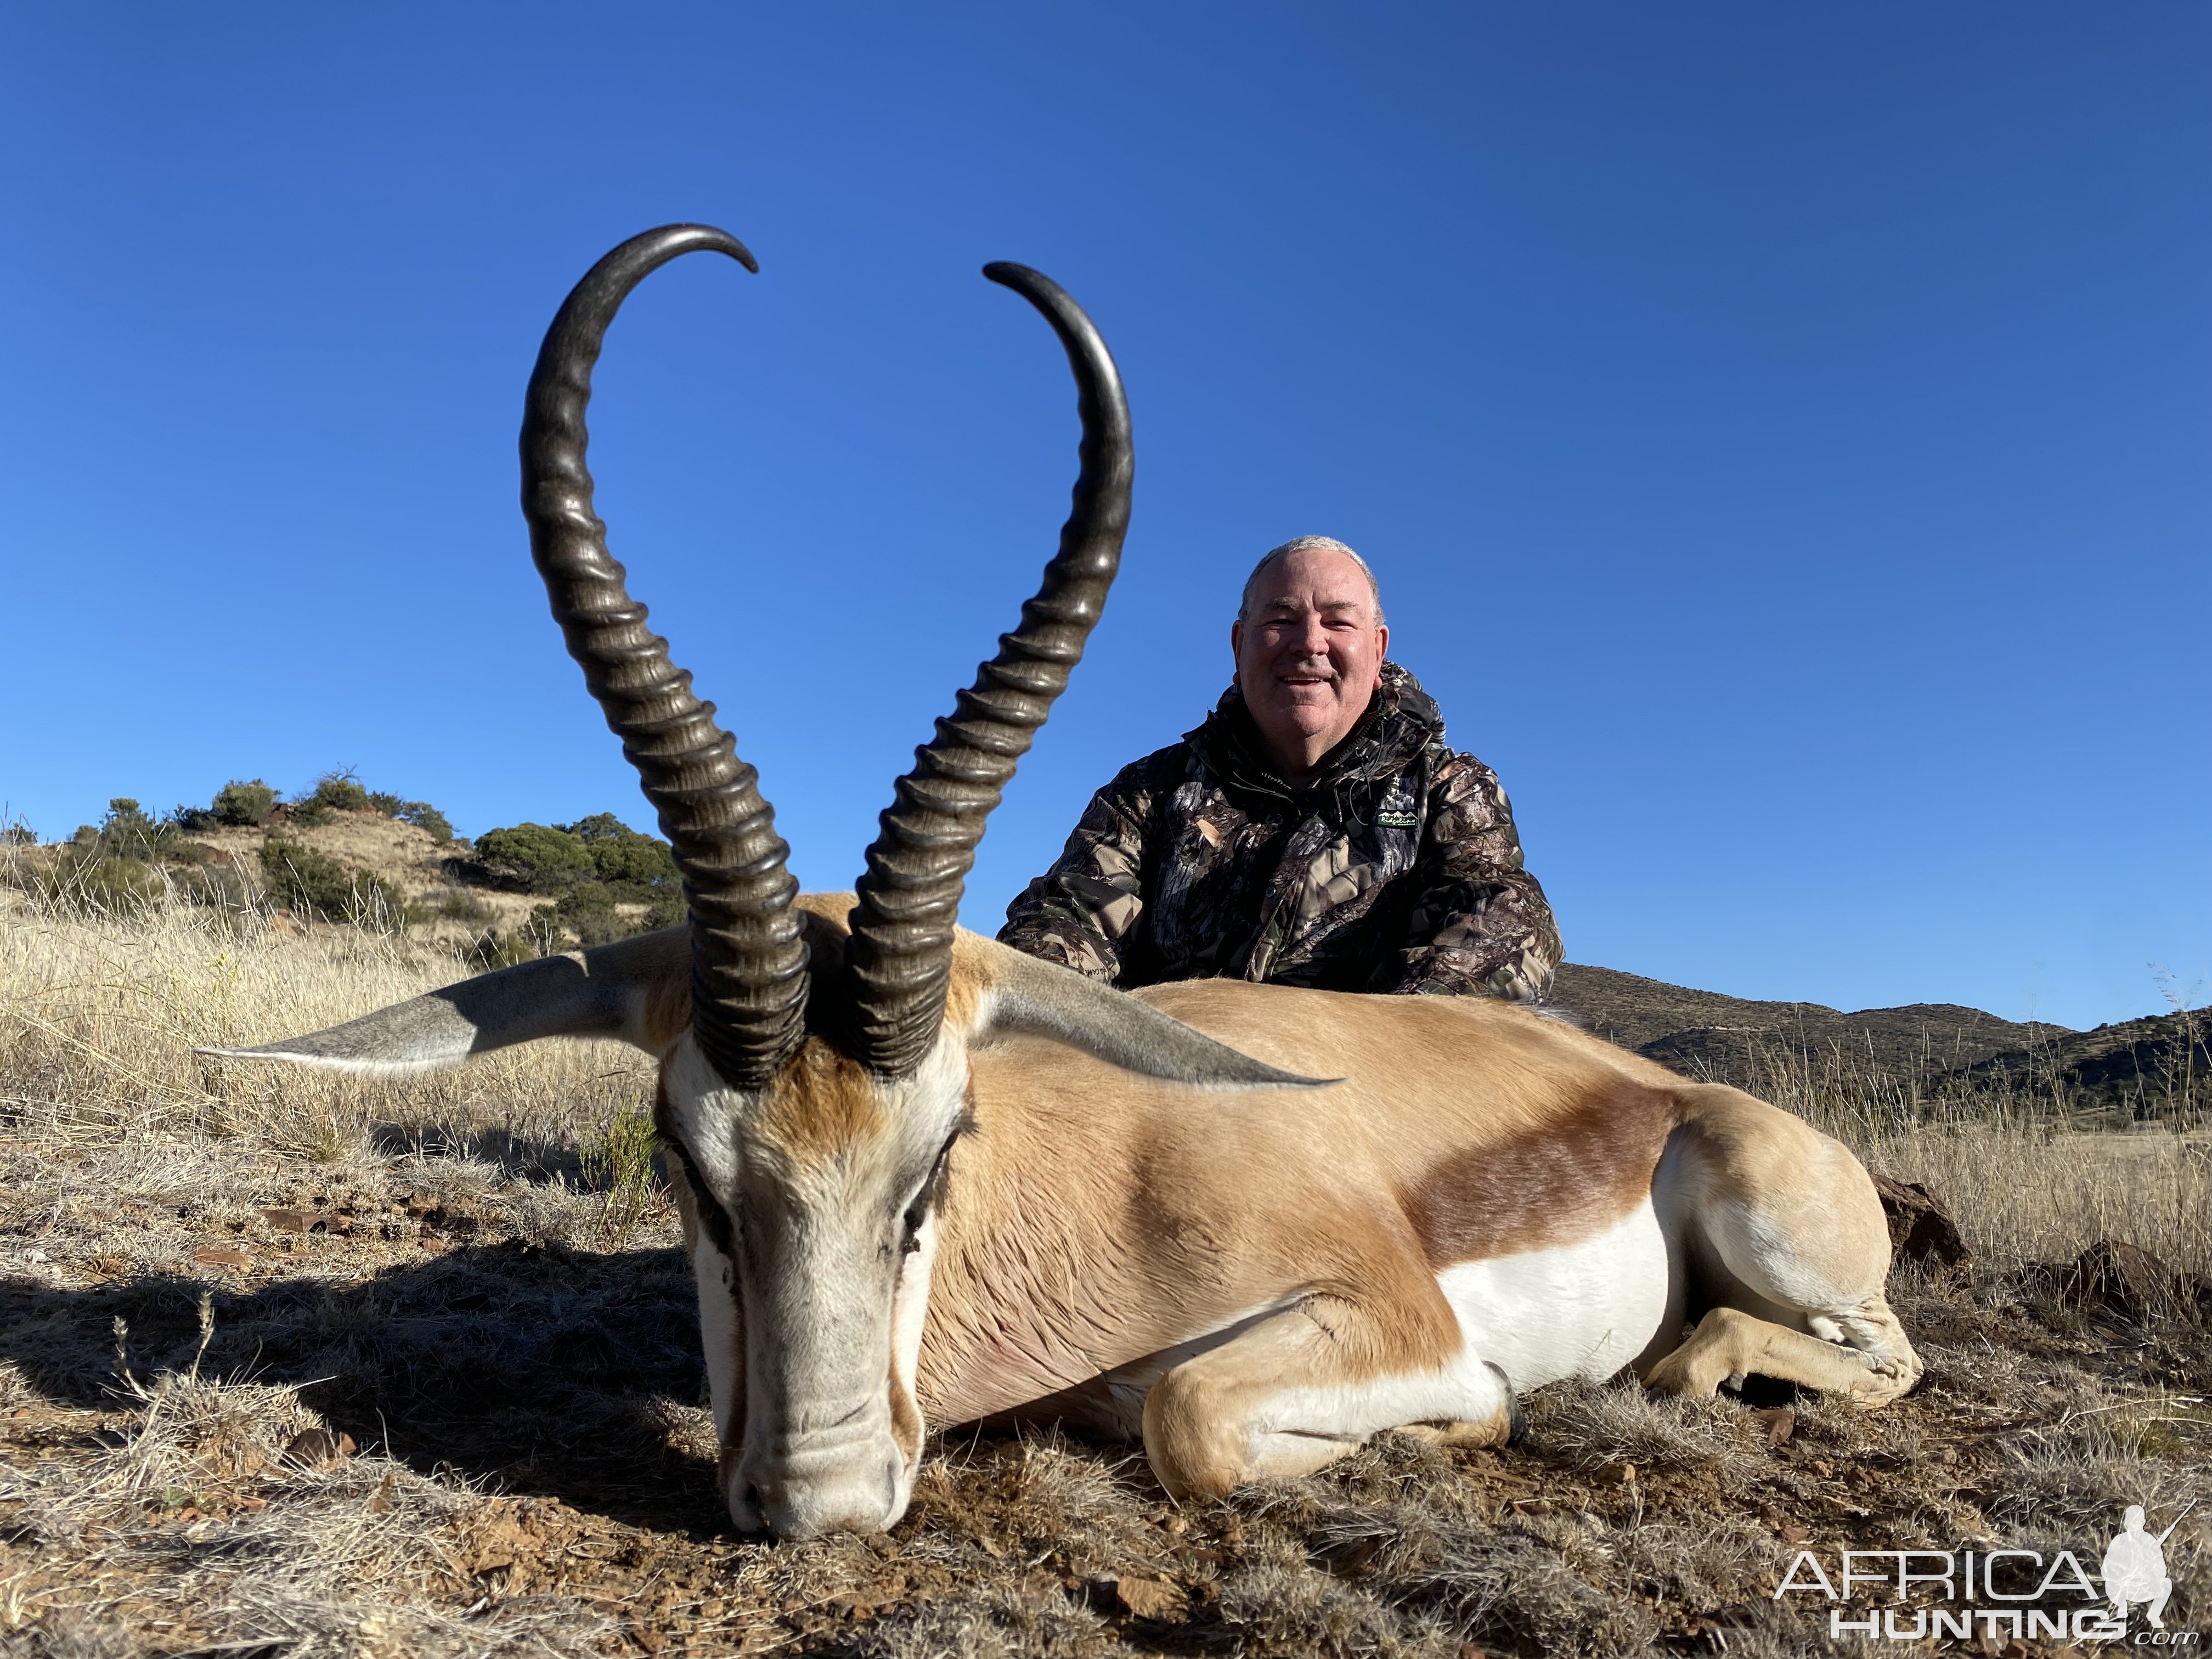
1020	993
637	990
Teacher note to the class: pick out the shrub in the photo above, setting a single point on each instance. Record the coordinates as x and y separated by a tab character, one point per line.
334	792
423	816
88	880
459	906
535	858
127	831
420	813
18	833
620	854
242	804
588	911
619	1163
314	885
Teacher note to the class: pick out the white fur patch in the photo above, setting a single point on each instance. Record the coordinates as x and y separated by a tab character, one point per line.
1582	1310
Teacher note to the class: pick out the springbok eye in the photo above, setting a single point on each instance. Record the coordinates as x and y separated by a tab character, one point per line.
918	1212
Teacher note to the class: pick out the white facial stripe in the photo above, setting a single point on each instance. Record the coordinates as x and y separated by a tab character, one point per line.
717	1284
707	1112
826	1350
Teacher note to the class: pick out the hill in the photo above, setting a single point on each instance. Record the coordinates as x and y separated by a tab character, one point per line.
2149	1068
2141	1069
1687	1029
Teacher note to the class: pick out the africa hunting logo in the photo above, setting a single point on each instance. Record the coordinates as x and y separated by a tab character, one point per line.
1999	1593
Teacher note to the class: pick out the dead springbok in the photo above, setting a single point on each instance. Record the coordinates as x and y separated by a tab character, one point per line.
924	1178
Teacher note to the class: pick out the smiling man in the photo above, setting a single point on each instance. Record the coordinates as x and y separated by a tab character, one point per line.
1314	831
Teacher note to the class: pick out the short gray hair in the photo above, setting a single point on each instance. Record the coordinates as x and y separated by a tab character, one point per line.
1307	544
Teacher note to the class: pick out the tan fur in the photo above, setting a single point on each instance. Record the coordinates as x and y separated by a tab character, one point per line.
1729	1344
1096	1220
820	1106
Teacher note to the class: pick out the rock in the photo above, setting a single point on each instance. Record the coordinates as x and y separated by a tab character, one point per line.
1781	1423
1616	1474
291	1221
1920	1228
215	1258
1150	1598
2123	1279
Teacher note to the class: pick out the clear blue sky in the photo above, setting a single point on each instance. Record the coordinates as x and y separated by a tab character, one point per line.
1781	432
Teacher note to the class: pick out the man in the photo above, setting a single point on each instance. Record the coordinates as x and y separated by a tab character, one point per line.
1314	831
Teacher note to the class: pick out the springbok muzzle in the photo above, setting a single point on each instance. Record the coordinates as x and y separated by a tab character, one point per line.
848	1477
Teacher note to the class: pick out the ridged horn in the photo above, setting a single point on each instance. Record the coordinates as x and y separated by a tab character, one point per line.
901	952
748	960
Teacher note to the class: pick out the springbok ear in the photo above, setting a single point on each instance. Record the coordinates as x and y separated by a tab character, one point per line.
638	989
1022	994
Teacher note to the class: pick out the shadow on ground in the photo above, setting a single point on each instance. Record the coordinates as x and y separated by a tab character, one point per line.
543	1370
520	1158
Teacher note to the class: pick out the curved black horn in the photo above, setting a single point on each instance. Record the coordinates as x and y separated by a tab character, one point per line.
748	960
901	954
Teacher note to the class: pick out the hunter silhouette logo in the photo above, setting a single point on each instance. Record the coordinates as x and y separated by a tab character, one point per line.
1998	1595
2135	1567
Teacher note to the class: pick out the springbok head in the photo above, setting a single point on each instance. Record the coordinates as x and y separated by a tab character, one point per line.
814	1070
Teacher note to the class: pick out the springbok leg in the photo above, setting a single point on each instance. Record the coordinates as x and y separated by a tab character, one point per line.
1300	1390
1729	1344
1789	1241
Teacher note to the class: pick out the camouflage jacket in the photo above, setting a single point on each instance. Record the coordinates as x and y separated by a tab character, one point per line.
1396	869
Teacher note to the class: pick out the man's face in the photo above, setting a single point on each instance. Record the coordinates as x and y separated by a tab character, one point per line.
1309	651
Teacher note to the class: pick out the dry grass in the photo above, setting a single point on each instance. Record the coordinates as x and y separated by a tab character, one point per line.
470	1276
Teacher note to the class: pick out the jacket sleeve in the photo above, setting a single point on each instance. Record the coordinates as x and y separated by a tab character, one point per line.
1480	925
1080	913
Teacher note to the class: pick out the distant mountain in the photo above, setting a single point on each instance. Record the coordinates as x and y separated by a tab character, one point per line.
2146	1067
1687	1029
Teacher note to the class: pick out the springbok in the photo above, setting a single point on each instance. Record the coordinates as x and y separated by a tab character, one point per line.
924	1178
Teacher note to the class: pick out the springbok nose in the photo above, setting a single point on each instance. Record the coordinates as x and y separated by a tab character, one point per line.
855	1494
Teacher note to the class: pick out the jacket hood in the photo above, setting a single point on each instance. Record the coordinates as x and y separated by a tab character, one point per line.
1401	720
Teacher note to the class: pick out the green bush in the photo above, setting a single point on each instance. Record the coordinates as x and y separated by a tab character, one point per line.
128	831
460	906
535	858
89	880
243	803
334	792
423	816
420	813
621	855
313	885
340	792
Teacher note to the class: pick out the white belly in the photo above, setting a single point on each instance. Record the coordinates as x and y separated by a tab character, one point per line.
1582	1310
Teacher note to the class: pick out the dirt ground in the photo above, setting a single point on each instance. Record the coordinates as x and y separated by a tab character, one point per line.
388	1373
